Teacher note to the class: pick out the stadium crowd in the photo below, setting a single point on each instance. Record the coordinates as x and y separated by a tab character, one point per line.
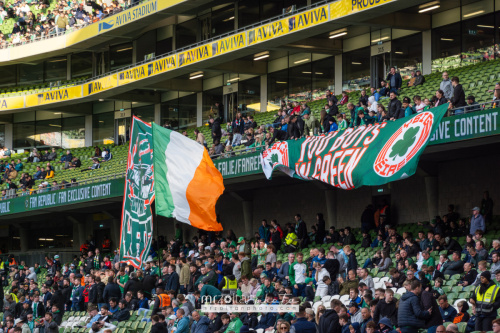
47	23
179	275
11	169
295	120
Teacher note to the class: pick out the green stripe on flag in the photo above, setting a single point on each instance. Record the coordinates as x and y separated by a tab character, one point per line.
164	201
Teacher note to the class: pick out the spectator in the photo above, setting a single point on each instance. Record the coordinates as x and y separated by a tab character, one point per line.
418	106
447	312
302	324
462	315
394	105
472	104
384	90
446	87
395	80
107	155
458	98
311	125
297	275
454	267
344	99
476	221
419	79
387	308
411	316
363	99
96	165
75	163
440	99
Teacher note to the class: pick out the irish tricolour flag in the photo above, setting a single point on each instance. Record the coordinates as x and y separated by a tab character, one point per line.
187	184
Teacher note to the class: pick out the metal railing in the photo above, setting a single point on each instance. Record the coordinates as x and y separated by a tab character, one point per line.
10	194
161	56
473	108
234	153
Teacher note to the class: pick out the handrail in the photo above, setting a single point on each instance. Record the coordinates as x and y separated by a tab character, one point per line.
233	153
10	194
473	108
219	37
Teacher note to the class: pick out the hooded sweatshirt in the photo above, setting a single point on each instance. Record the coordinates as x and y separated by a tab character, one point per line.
32	275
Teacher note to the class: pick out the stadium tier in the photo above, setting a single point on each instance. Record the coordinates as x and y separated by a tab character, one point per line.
356	144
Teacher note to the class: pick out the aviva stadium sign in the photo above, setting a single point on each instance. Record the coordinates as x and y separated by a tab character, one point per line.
222	46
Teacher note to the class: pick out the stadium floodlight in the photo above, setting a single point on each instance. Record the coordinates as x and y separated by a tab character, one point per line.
260	56
195	75
423	10
338	33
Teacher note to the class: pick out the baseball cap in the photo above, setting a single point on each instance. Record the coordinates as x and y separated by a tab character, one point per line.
309	280
173	317
307	111
476	208
354	304
56	257
190	253
201	244
241	239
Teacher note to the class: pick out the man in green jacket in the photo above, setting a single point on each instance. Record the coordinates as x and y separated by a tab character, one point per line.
208	290
243	246
266	289
235	323
351	282
311	124
246	265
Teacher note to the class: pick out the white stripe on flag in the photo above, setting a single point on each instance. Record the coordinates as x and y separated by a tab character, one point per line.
182	156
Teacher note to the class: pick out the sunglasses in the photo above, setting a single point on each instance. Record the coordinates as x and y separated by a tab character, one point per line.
283	327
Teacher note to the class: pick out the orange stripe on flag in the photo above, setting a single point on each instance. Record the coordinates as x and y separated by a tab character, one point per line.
202	194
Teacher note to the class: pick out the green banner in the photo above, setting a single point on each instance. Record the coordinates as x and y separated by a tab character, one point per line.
239	165
137	220
467	126
366	155
63	197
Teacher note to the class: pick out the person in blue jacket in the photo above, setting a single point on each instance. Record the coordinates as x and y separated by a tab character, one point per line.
200	324
411	315
182	322
302	325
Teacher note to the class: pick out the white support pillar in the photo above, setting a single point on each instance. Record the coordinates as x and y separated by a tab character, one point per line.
338	75
88	131
426	52
199	109
9	135
68	67
263	93
158	114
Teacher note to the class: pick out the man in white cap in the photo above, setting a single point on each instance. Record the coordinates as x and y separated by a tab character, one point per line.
171	322
476	221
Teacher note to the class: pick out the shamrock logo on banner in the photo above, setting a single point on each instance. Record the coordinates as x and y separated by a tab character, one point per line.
402	145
